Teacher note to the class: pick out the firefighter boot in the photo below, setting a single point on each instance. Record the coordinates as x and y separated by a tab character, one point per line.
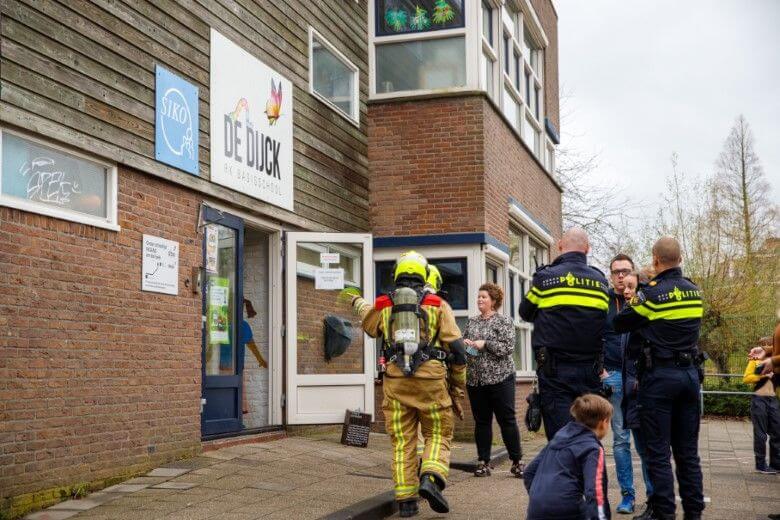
408	508
430	490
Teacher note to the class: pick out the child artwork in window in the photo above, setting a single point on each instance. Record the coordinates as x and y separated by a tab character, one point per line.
405	16
420	20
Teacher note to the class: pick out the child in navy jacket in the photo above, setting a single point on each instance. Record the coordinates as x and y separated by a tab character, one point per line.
568	479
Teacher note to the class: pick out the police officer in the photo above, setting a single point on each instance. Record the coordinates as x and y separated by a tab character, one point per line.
667	315
426	391
568	305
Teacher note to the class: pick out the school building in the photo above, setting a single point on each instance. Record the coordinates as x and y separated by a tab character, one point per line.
186	187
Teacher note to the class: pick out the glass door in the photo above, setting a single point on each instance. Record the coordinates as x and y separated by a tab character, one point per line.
223	352
330	361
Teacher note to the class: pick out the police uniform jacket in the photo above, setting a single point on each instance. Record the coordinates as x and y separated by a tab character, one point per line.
667	314
568	305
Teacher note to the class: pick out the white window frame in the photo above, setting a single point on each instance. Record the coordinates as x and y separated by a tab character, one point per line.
354	117
471	36
308	270
111	220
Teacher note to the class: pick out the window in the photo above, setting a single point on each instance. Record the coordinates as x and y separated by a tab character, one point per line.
491	273
518	68
417	16
52	181
454	287
525	255
511	108
536	103
332	77
489	55
507	55
420	65
487	22
308	260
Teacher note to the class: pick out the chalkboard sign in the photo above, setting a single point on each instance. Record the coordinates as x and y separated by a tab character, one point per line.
357	426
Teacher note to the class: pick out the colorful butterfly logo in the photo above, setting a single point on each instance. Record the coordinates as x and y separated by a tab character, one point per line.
274	104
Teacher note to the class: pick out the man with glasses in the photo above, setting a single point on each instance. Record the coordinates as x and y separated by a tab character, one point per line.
614	347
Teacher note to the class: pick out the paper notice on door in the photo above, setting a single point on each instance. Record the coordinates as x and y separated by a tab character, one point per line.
329	279
212	238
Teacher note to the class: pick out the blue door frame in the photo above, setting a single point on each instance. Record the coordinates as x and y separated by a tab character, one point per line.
222	412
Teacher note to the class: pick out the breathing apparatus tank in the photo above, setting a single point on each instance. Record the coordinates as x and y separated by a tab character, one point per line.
406	325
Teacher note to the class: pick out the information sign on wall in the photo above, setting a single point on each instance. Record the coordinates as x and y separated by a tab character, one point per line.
251	125
160	267
176	121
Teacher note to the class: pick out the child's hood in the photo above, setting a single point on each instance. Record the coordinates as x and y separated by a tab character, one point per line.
574	436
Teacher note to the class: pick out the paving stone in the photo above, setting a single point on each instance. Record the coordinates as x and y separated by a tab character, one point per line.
49	514
167	472
82	504
126	488
174	485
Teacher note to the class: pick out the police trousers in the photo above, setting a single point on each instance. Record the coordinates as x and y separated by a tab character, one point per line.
669	413
558	390
421	399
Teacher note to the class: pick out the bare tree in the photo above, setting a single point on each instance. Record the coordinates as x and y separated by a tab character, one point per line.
740	182
599	209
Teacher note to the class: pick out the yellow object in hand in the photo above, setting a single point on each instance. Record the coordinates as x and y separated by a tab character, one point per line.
348	294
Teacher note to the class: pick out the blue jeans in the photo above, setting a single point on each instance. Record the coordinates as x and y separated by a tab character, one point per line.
621	445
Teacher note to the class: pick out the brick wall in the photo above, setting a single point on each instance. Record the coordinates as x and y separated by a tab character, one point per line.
452	170
96	377
548	17
425	159
256	382
511	171
313	306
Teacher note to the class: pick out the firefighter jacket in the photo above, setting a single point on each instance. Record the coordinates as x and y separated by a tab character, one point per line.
442	330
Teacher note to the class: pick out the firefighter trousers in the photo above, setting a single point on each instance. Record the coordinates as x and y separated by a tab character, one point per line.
409	401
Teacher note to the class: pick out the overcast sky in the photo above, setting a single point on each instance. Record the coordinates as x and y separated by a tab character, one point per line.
649	78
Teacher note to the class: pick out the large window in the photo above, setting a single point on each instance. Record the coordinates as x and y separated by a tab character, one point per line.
420	65
47	179
333	78
525	255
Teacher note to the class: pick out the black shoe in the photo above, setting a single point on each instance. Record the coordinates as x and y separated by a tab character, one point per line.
692	516
430	490
517	469
650	514
408	508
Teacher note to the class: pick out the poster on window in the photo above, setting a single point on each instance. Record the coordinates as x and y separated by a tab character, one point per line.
212	243
410	16
218	313
251	125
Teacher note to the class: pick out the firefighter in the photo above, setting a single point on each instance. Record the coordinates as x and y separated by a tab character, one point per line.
568	305
434	281
667	315
424	381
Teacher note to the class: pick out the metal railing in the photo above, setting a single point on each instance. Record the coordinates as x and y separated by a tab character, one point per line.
704	392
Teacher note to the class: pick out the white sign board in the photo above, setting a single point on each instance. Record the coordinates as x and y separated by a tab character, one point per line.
329	279
330	258
251	125
212	238
160	267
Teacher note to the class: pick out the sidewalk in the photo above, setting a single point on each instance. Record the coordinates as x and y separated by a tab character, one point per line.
315	476
292	478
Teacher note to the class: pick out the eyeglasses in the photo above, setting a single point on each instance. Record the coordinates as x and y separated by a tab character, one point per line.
618	272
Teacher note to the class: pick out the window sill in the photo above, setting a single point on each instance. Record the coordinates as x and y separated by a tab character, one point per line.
48	211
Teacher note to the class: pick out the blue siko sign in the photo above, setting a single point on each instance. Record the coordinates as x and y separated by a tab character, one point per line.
176	122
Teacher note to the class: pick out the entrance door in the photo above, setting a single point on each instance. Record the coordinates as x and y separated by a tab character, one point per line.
222	359
322	384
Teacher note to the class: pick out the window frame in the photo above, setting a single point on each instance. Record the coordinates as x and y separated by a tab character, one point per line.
308	270
110	221
354	117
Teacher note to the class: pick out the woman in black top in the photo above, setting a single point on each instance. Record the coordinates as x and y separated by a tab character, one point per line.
490	378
